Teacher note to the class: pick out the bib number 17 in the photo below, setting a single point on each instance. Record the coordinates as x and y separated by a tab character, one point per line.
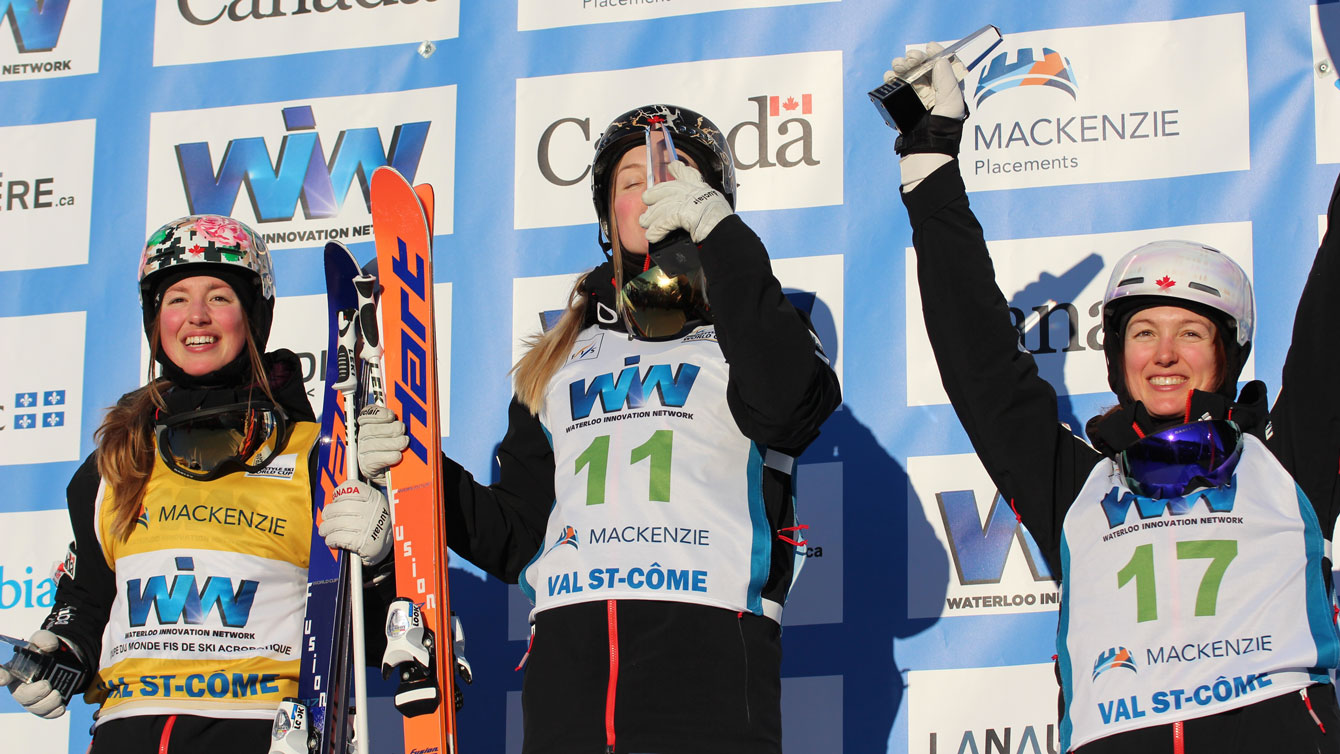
1140	569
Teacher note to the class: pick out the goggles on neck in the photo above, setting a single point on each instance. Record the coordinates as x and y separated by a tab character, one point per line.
208	443
1182	459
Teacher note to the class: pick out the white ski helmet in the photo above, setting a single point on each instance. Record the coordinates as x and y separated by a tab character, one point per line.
1185	274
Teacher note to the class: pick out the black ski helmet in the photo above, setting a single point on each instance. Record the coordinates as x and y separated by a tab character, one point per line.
693	133
210	245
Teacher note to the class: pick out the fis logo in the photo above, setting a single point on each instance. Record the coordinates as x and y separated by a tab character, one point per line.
44	410
36	24
1109	659
1052	70
1117	506
980	550
302	173
632	388
567	537
588	348
186	601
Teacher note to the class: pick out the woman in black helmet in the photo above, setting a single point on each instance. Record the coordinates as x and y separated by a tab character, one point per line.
182	597
1191	537
644	498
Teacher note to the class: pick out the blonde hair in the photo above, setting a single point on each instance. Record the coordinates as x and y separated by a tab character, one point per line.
125	439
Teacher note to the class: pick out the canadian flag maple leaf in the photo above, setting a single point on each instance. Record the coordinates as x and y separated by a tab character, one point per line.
790	103
1166	282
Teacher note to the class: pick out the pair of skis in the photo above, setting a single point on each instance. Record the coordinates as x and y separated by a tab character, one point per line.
418	627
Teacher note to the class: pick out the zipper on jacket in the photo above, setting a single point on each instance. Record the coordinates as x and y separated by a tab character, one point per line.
612	618
167	734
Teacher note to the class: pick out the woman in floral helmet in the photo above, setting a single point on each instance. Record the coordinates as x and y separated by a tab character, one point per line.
181	601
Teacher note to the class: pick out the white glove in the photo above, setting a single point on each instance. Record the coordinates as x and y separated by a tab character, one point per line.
358	520
37	696
941	88
381	440
686	202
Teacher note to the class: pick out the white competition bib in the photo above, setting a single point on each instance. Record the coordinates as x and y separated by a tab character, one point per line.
658	494
1181	608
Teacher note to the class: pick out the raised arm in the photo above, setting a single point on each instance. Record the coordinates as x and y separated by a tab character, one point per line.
1007	409
1306	415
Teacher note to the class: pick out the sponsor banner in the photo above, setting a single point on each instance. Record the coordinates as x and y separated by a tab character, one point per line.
298	172
25	731
41	403
27	589
1006	709
782	115
551	14
202	31
51	38
1072	106
1325	82
998	568
300	325
816	596
813	284
46	193
1055	287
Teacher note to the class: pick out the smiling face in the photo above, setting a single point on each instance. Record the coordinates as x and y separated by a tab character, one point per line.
201	324
1167	352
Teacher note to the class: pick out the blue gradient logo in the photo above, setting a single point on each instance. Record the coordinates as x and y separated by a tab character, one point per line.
1117	506
187	601
980	550
36	24
301	174
632	388
1052	70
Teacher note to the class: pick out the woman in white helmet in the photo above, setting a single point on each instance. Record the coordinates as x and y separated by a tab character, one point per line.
180	604
1191	536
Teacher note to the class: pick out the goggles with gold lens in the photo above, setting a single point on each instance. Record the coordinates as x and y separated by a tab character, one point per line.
208	443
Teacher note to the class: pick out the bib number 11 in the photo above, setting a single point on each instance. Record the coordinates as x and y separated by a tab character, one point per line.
656	451
1140	568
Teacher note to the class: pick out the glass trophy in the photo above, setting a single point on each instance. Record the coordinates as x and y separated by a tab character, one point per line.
898	101
676	254
27	665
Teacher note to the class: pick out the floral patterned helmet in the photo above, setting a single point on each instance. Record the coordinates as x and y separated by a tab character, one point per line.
210	245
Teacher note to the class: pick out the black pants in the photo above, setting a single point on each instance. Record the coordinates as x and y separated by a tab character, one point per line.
690	679
187	734
1279	725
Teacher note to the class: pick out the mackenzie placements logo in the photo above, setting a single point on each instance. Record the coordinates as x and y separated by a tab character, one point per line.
201	31
782	116
299	172
1111	659
1074	106
51	38
1050	70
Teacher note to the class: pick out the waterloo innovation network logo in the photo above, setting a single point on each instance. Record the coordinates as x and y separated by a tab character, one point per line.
36	24
301	174
1111	659
1052	70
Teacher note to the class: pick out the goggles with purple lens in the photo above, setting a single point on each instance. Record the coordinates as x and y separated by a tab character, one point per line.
1182	459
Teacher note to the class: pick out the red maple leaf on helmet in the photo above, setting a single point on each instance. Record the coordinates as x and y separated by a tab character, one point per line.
790	103
1166	282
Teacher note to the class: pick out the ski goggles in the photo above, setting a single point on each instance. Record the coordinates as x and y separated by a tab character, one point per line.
1181	459
208	443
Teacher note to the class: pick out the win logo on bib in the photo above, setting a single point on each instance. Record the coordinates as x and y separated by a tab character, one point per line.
632	388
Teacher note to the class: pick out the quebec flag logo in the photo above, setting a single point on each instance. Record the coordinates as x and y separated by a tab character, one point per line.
1110	659
1053	70
39	409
